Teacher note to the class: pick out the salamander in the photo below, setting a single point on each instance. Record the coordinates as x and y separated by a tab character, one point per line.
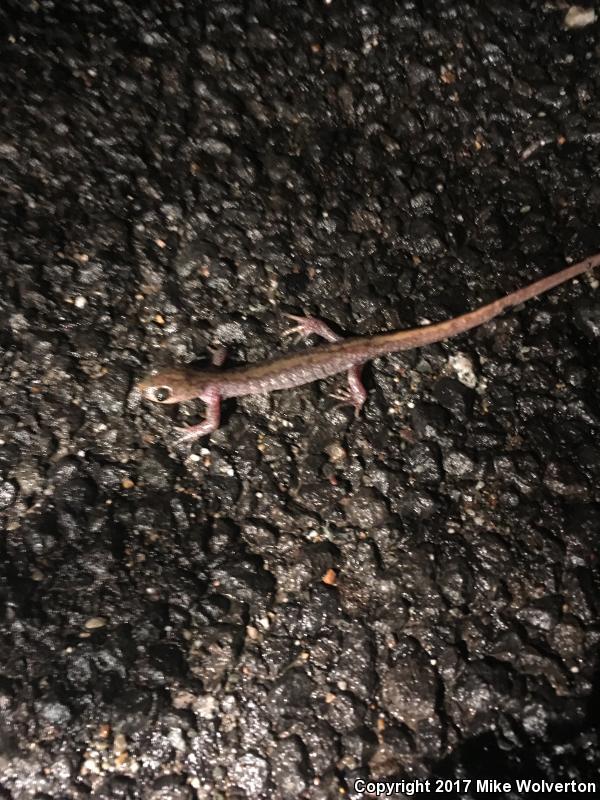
179	384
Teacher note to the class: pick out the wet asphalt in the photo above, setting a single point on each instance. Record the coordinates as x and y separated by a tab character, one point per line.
304	599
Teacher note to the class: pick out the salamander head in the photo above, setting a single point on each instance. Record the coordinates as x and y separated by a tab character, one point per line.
175	385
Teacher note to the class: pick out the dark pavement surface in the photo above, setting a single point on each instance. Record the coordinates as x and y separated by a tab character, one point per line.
303	599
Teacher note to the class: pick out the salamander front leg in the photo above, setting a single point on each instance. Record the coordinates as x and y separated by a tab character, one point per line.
356	394
211	422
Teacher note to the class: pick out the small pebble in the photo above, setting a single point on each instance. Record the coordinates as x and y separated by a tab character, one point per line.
329	578
579	17
95	622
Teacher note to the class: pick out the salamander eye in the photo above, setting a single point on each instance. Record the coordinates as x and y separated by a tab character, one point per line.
162	394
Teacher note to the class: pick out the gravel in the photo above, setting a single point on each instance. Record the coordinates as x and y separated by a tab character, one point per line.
303	599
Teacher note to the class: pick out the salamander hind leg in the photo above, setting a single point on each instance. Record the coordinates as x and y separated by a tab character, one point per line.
308	325
208	425
356	389
356	394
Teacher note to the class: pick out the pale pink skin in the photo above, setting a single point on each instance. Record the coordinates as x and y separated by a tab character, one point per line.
338	355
